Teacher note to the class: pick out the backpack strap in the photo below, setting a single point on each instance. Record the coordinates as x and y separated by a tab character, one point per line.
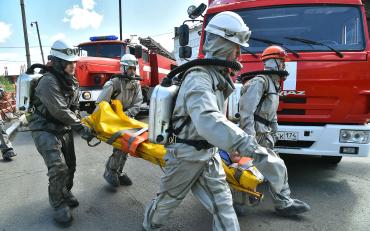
197	144
266	93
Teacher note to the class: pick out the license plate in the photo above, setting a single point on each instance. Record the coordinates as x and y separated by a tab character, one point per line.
287	135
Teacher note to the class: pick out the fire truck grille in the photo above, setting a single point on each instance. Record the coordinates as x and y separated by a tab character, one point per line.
293	144
292	112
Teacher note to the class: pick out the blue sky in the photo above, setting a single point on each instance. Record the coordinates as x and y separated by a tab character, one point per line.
77	20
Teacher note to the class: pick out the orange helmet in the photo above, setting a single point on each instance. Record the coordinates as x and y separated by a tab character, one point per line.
274	52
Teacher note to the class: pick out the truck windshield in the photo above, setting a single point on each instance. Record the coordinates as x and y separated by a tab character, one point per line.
112	50
340	27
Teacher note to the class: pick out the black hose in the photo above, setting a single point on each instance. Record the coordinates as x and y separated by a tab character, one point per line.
249	75
205	62
31	69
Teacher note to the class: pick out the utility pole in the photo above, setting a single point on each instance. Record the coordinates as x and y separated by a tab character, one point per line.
120	20
38	34
25	35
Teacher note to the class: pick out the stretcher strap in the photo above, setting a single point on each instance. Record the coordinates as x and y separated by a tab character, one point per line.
238	174
118	135
133	136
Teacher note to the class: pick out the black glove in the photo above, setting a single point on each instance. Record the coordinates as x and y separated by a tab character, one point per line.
85	132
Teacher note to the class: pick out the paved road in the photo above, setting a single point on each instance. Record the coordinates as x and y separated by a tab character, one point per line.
339	196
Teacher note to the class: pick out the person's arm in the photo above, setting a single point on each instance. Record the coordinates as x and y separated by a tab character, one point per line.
106	92
137	101
248	104
209	121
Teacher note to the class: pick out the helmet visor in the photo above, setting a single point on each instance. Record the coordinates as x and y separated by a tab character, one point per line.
68	51
241	36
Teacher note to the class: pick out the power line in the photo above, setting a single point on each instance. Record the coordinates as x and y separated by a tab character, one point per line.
11	47
12	61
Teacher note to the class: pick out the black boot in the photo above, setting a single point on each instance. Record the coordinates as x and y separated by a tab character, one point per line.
9	154
124	180
70	199
62	215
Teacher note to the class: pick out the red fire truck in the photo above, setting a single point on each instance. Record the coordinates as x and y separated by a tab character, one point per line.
103	61
325	103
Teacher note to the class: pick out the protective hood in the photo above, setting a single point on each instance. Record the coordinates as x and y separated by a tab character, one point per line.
217	47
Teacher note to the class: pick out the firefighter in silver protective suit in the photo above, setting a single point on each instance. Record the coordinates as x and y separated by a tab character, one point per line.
192	159
258	117
125	88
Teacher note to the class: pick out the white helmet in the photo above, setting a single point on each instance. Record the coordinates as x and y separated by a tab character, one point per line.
230	26
65	51
128	60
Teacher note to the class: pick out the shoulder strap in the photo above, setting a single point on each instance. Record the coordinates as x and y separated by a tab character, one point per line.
265	92
198	144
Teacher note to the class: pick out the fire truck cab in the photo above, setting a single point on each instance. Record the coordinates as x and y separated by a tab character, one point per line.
324	106
102	61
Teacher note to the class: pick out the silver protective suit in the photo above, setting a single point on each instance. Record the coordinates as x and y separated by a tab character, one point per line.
261	98
202	96
128	92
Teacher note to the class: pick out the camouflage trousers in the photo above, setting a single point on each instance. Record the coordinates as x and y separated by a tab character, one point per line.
59	156
4	139
116	161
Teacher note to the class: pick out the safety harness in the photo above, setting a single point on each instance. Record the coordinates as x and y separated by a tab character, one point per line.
263	74
35	104
183	71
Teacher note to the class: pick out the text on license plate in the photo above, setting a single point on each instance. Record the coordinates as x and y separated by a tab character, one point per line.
287	135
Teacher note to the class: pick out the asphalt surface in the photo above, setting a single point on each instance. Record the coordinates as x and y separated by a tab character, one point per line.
339	196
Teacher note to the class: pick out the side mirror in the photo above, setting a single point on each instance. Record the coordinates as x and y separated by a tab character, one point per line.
138	52
183	32
185	52
194	12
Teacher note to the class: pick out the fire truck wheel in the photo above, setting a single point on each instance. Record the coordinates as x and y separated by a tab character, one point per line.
331	159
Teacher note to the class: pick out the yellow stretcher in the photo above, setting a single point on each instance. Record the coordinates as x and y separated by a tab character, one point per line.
115	128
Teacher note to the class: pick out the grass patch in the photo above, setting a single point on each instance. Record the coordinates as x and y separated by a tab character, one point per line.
6	84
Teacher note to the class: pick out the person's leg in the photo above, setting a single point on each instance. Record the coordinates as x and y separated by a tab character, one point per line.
213	192
68	150
275	172
175	184
240	200
5	146
122	176
111	168
49	146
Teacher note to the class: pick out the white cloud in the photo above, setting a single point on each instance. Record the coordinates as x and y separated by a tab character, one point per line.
85	17
57	37
88	4
5	31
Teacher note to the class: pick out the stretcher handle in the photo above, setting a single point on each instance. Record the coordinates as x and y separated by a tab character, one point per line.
93	145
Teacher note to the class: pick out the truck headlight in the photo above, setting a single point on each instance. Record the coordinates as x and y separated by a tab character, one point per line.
354	136
86	95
